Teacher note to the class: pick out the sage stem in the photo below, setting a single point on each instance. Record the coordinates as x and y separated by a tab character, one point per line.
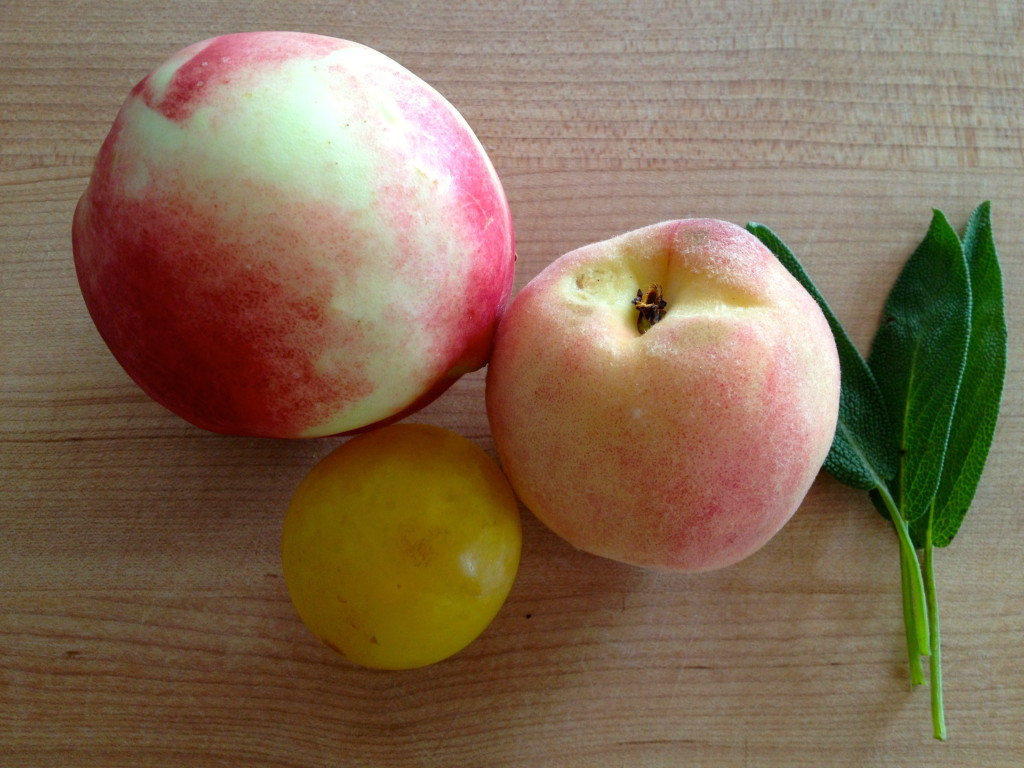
918	620
935	660
913	649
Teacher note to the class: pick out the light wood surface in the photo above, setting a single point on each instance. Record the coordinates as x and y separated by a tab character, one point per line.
143	618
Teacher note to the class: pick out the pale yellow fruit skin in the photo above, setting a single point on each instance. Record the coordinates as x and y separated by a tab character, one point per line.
686	447
400	546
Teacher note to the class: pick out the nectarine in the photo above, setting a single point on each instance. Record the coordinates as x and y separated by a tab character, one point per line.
292	235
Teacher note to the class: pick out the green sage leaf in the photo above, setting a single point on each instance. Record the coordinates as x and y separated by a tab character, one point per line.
864	454
981	388
918	357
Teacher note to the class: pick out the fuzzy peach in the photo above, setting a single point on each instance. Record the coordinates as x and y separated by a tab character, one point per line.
292	235
680	444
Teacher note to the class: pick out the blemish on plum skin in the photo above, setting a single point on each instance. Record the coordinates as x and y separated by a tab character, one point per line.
333	646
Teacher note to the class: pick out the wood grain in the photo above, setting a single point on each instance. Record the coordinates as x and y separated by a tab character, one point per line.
143	620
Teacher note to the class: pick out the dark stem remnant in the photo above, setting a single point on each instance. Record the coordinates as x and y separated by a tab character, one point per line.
649	306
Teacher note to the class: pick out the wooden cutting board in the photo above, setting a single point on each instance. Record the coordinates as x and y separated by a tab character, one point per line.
143	618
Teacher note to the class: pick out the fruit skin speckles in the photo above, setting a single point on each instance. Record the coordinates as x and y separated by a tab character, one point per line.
273	231
686	446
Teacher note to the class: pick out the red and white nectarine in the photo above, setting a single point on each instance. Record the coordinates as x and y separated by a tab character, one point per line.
292	235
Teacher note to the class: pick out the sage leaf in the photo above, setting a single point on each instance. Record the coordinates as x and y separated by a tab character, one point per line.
918	357
981	388
933	379
863	454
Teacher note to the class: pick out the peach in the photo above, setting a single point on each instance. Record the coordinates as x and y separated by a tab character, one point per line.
291	235
664	398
